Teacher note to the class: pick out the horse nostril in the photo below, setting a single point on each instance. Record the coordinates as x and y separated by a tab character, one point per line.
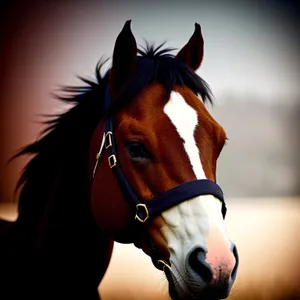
196	261
236	256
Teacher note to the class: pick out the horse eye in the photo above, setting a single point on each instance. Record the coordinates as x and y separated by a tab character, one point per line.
137	150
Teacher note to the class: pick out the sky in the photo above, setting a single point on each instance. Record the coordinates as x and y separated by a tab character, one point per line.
249	45
251	48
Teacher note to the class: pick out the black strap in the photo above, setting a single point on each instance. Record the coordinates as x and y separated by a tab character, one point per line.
125	187
180	193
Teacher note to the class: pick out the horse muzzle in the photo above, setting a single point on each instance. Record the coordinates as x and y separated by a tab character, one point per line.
200	279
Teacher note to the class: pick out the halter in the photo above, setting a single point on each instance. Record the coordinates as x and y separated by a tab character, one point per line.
145	210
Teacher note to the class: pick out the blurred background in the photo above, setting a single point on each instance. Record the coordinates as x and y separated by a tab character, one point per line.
251	62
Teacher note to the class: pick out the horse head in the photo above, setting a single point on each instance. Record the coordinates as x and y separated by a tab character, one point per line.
154	177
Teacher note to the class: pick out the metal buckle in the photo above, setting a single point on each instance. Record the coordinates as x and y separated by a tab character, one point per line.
138	206
112	161
108	134
165	264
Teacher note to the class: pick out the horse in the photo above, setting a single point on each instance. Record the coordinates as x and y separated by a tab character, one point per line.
134	161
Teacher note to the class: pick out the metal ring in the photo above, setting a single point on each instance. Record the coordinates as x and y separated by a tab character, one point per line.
165	264
138	206
112	161
108	134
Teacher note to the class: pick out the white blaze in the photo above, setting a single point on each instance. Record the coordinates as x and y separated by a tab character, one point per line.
185	120
190	223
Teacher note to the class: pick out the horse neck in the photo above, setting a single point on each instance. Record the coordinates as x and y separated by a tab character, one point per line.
56	210
64	229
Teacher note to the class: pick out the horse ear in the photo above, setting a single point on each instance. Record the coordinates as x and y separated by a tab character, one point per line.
124	57
192	53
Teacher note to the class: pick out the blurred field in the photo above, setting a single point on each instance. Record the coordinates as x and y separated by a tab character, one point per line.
266	232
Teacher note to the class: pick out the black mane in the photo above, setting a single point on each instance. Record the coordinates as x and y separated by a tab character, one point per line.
159	65
61	153
168	71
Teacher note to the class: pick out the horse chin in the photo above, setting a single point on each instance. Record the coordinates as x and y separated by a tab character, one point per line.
183	291
176	291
